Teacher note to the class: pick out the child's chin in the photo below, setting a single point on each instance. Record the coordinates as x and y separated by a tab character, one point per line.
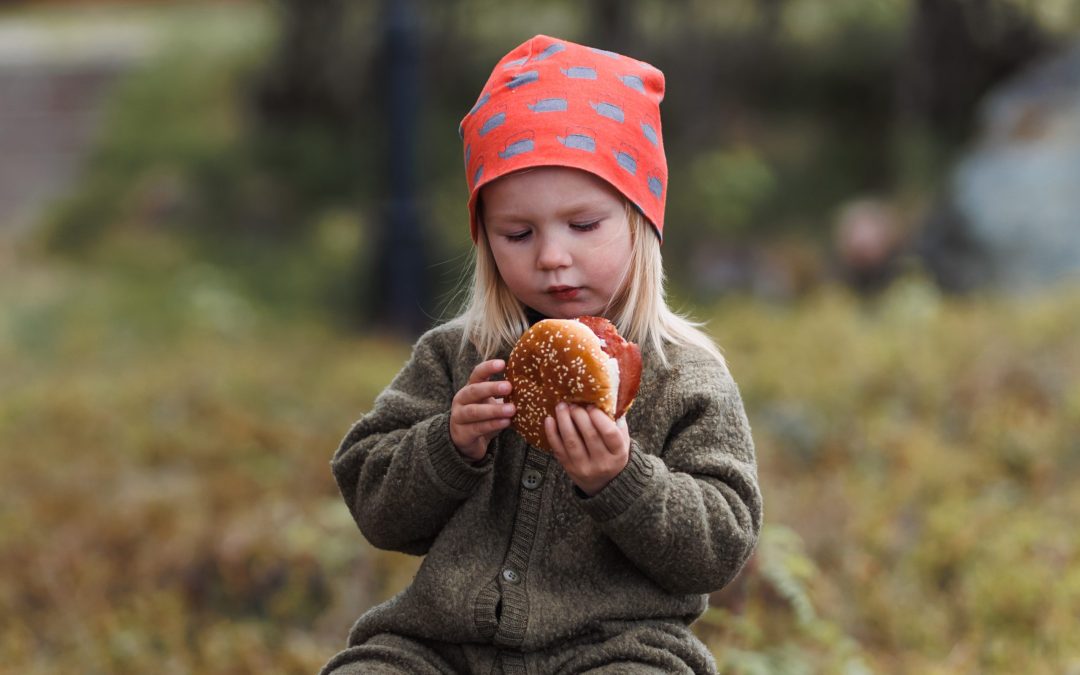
554	308
571	311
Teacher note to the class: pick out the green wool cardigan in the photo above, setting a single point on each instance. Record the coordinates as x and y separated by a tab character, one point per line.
516	556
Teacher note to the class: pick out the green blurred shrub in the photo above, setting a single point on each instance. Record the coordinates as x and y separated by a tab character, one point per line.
731	186
776	627
171	153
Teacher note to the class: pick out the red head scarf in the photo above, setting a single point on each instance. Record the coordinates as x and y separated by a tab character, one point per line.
550	102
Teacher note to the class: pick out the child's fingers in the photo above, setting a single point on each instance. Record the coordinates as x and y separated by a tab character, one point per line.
470	422
551	430
573	447
482	412
482	391
590	437
477	412
610	432
486	369
490	427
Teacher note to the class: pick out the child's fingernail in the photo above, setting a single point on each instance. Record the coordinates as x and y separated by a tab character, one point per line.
508	409
560	407
503	388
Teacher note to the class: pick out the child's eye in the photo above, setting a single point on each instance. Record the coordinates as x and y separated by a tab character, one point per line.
520	236
585	227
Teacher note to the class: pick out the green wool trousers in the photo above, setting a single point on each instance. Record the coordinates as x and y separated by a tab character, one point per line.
645	648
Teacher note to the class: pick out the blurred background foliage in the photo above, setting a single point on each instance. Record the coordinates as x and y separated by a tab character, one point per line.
188	327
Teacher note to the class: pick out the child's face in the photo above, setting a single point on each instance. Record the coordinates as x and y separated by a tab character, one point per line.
559	237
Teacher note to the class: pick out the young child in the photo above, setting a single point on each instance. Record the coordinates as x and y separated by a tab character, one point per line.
598	556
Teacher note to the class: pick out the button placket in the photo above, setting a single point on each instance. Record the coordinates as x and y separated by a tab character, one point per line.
514	620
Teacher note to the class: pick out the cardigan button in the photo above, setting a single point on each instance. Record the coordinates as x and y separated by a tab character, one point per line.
531	479
510	575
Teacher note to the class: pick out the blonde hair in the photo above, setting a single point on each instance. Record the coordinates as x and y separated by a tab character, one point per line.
495	319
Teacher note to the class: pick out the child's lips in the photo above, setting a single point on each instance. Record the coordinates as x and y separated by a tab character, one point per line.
564	292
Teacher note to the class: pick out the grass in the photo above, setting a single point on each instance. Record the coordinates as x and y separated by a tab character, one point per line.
924	449
168	505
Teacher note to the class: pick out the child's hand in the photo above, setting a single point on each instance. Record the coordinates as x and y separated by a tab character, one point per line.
478	413
591	447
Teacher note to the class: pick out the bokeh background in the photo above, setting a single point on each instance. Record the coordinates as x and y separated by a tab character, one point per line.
209	267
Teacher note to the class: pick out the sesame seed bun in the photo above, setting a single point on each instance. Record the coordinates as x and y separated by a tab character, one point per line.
583	361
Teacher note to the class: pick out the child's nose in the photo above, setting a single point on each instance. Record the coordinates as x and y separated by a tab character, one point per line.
553	255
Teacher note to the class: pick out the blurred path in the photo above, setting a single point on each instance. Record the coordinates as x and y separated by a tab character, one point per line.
54	76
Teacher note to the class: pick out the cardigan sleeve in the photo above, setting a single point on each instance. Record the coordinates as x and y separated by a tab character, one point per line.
688	514
397	468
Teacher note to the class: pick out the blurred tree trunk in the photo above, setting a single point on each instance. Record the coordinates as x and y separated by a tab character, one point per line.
338	111
956	51
299	84
311	112
610	25
399	281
